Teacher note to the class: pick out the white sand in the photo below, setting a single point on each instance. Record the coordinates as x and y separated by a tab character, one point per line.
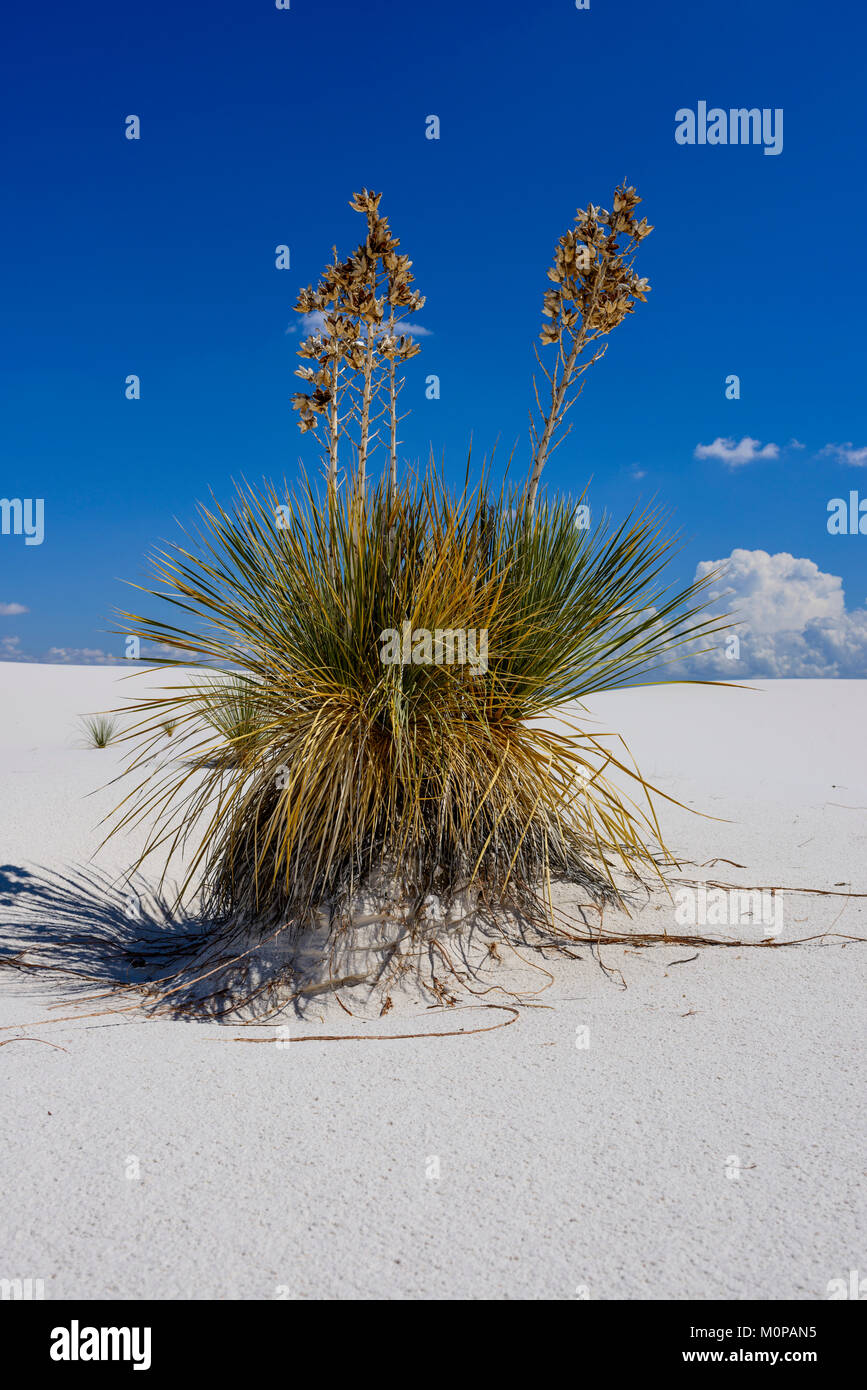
302	1171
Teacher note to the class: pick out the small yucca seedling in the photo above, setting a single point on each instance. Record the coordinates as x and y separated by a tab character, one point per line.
99	730
231	706
313	767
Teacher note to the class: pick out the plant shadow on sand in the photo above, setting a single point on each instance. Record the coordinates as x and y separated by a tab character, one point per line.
80	931
121	945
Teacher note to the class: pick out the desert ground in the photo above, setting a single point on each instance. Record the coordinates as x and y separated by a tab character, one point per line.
665	1122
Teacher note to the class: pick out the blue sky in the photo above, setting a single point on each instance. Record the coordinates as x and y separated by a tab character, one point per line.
157	257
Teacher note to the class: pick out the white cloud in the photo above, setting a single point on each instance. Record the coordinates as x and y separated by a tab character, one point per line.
11	610
160	651
10	650
778	593
80	656
735	455
846	453
308	323
315	323
789	616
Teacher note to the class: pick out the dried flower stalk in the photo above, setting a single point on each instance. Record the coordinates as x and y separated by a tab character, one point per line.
595	288
362	303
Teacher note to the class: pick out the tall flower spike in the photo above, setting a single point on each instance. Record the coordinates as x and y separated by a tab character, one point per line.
596	289
361	305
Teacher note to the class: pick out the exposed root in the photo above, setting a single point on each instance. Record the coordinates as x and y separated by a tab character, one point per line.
388	1037
448	954
44	1041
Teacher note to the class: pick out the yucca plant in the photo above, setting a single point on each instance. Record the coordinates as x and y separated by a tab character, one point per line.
98	730
386	657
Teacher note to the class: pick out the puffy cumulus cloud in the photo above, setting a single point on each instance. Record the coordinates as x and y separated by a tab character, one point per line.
790	619
11	610
736	455
776	593
846	453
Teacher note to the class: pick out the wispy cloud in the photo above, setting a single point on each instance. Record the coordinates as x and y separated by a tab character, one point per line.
80	656
736	455
11	610
846	453
10	650
315	323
